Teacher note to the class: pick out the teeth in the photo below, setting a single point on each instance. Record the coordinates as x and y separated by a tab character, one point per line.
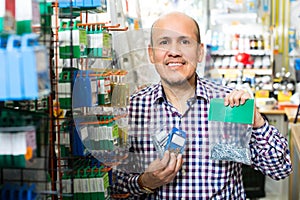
174	64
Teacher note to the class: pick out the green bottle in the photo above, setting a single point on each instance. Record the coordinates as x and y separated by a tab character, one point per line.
95	42
101	91
76	41
99	42
90	42
67	33
23	13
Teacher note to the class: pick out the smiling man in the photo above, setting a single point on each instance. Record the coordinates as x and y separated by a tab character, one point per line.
175	50
180	101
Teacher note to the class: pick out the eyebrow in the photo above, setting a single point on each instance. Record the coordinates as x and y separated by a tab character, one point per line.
167	37
185	37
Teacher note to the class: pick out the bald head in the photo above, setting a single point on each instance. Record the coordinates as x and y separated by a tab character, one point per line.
175	18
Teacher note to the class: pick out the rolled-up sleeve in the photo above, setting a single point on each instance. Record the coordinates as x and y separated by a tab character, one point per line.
126	183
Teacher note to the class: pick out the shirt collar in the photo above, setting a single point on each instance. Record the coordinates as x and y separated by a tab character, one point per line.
159	94
201	91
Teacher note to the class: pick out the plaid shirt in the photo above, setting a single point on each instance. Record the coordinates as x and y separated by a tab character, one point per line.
200	177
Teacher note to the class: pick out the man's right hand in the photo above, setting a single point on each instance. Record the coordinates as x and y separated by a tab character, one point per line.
161	172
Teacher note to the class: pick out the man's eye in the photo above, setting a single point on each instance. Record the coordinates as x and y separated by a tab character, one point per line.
163	42
186	42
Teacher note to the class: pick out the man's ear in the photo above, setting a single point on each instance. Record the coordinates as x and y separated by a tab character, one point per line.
200	52
150	53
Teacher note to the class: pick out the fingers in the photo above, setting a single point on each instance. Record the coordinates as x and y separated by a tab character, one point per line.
179	162
168	164
172	163
236	98
163	175
158	165
166	158
175	162
172	168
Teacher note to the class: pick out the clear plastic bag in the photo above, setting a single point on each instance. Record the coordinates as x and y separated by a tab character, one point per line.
230	131
230	141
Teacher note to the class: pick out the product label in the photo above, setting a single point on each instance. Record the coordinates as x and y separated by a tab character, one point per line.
2	9
82	40
107	45
23	10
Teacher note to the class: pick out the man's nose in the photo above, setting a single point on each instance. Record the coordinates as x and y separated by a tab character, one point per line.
174	49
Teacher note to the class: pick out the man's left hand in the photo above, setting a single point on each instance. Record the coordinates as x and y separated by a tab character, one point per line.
239	97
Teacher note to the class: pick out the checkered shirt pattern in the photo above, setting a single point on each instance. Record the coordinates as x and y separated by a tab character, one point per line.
200	177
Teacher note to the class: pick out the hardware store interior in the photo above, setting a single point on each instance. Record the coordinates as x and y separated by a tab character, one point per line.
69	67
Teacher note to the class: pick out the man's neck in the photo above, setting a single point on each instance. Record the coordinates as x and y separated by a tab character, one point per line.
179	95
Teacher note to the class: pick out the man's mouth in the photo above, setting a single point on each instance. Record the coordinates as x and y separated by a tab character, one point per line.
175	64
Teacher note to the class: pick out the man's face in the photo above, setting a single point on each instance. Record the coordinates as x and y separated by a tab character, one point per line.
175	51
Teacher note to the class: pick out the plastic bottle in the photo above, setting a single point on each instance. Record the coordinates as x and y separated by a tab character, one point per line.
247	43
90	49
107	44
235	42
214	41
99	42
95	42
260	43
23	16
67	37
76	39
253	42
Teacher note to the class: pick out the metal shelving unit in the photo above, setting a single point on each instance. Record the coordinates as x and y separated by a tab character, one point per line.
27	122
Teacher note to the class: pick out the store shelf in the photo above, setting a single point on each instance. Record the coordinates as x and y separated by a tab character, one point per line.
235	52
252	72
233	18
236	28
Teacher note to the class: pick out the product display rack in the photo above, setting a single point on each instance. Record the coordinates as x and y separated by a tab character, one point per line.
27	176
78	174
